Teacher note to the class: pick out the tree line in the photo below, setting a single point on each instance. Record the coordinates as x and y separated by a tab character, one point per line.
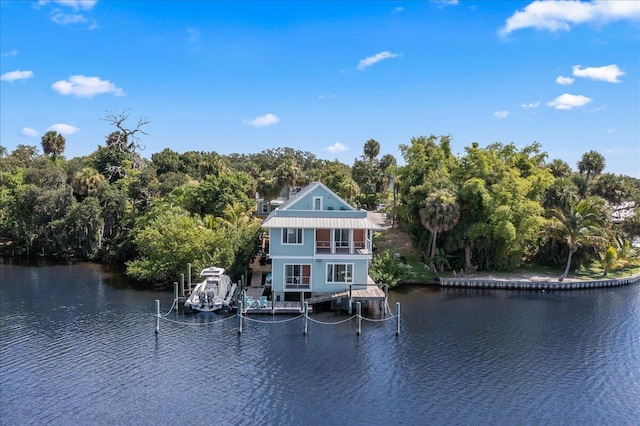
496	207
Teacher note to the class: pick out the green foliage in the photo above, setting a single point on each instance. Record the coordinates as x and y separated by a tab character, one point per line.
608	259
581	225
214	193
388	269
172	239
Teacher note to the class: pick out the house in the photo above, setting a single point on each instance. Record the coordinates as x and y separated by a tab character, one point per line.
319	244
266	206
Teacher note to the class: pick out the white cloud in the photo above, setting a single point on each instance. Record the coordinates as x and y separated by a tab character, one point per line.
64	129
74	4
86	87
367	62
61	18
64	16
567	101
263	120
445	2
336	147
26	131
531	105
501	114
609	73
13	52
561	15
16	75
326	96
564	80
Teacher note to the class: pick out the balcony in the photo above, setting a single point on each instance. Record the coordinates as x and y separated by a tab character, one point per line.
342	241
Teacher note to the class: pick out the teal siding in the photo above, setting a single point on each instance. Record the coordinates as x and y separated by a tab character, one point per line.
276	248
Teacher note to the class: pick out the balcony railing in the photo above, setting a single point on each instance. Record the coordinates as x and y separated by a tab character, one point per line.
324	247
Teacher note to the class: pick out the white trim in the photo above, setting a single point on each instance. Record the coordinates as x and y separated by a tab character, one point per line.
326	272
317	198
285	233
301	265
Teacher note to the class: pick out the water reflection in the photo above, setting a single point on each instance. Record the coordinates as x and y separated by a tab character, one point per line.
78	343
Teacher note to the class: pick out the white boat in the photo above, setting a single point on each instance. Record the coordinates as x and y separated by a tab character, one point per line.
214	293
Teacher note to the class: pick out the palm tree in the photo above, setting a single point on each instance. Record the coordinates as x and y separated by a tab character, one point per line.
53	144
592	163
580	226
371	149
86	180
288	171
440	214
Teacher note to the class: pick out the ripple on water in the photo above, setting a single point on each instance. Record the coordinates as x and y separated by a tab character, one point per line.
463	357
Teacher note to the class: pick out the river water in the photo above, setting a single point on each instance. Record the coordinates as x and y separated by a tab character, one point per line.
78	346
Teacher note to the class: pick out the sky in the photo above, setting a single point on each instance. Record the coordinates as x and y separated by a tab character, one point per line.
325	77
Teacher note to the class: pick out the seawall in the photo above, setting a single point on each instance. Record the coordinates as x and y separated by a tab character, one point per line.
536	285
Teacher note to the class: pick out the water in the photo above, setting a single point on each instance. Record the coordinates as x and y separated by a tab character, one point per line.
78	347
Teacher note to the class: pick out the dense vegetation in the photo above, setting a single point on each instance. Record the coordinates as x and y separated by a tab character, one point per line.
496	207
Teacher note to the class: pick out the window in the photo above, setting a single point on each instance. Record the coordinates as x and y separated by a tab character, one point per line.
297	276
317	203
342	237
292	236
265	208
339	273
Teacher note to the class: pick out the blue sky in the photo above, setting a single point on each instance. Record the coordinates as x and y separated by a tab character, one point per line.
326	76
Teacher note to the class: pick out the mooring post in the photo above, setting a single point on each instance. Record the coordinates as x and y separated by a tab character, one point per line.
397	318
157	316
302	300
359	311
386	300
189	274
350	301
273	301
175	294
240	317
306	317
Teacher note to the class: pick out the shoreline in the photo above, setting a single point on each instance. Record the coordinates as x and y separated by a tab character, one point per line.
533	282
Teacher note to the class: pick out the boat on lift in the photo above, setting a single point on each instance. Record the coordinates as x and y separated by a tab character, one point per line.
214	293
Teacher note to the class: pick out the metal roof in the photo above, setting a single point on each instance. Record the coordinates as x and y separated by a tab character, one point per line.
320	223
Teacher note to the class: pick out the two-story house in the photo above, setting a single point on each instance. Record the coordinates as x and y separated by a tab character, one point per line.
319	244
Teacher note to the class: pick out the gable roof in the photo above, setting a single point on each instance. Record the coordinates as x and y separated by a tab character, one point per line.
349	218
309	189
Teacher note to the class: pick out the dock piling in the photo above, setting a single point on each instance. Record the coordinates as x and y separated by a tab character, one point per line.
359	316
175	294
240	317
397	318
157	316
306	318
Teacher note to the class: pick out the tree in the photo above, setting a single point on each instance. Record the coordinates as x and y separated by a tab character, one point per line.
86	181
53	144
581	225
440	214
560	168
288	172
592	164
371	149
386	268
608	259
170	240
